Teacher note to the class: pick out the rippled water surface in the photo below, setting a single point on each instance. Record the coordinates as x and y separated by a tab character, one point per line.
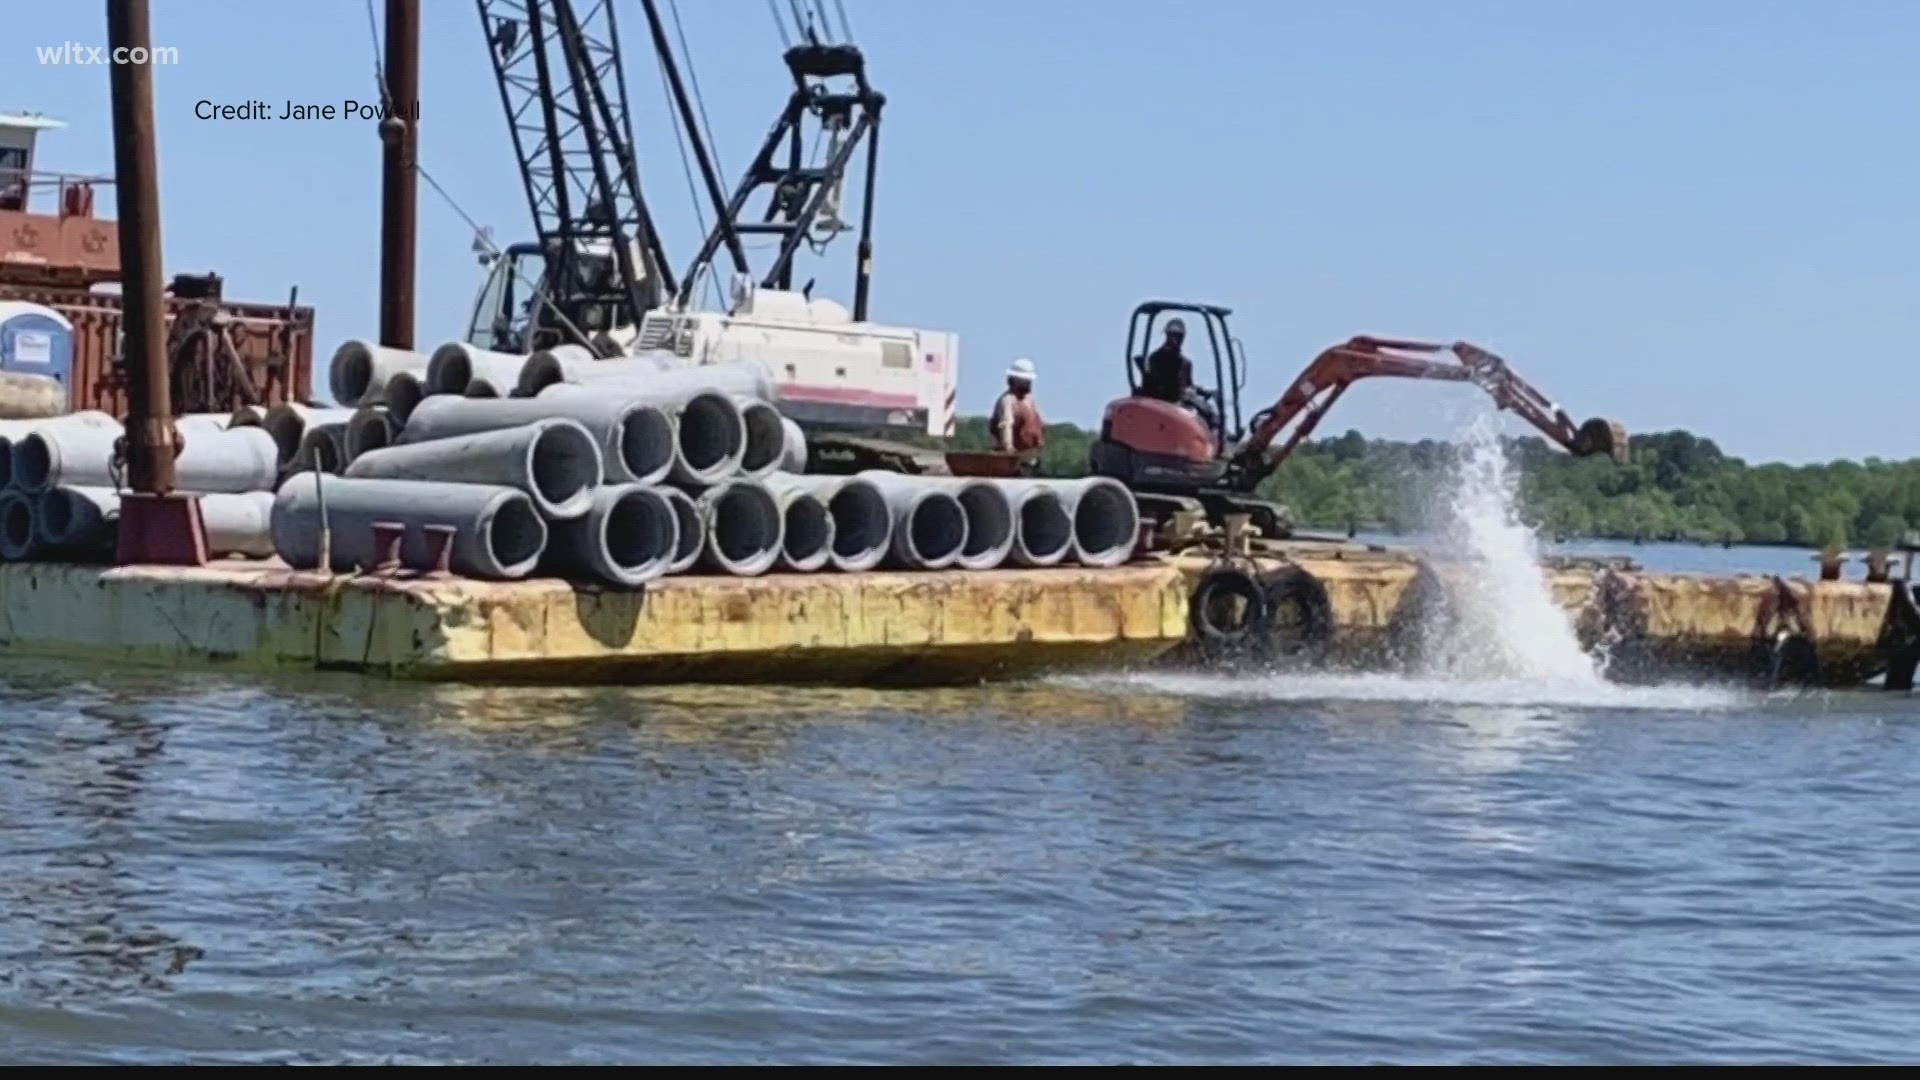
1135	868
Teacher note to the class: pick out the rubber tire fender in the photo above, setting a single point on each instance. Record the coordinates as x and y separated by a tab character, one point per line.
1293	585
1221	583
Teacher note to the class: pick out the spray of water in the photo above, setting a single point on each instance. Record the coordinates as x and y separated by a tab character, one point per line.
1503	639
1505	623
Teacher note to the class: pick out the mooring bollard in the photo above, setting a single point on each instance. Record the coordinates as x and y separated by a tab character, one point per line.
387	538
440	548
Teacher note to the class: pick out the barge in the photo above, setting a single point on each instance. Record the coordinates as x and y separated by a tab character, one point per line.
1343	605
1219	601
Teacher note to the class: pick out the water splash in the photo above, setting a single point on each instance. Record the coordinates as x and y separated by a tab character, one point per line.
1502	639
1503	622
1420	689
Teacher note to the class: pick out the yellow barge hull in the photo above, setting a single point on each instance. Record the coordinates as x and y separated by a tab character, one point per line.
1652	625
877	628
881	628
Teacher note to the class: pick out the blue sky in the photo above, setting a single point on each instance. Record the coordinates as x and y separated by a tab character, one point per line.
1694	215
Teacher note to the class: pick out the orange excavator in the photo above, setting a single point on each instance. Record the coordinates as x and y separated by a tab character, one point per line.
1196	453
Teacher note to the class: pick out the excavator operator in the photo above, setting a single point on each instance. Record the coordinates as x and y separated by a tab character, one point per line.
1168	376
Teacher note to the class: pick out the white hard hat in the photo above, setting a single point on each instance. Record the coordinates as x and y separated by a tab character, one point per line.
1021	369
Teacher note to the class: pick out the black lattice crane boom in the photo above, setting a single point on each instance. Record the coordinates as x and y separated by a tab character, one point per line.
563	87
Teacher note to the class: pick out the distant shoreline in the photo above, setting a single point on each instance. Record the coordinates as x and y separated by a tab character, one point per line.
1377	530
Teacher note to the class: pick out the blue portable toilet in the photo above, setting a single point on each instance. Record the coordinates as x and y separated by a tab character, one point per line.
36	340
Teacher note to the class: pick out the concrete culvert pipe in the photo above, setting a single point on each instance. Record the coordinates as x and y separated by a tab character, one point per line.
929	525
240	523
560	364
807	527
90	418
862	523
288	424
712	439
1106	521
766	444
691	530
237	523
360	371
498	534
636	440
372	428
555	461
453	367
744	527
213	460
749	378
627	538
746	378
1043	525
192	422
68	516
404	392
323	448
12	432
711	434
19	538
794	458
990	522
806	542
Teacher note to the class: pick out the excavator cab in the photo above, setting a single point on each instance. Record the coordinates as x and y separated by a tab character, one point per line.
1152	444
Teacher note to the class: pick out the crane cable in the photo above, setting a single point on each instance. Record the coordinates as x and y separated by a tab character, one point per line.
379	70
693	76
682	137
773	8
693	189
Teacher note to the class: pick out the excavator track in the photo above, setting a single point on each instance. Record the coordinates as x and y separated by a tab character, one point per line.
1268	519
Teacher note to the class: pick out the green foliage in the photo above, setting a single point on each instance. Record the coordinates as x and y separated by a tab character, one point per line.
1676	486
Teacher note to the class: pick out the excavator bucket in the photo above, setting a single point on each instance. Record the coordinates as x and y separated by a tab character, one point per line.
1598	436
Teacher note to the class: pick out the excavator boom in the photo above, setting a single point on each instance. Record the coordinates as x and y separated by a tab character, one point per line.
1315	390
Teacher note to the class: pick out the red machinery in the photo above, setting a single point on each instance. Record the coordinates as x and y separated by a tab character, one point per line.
1161	448
55	250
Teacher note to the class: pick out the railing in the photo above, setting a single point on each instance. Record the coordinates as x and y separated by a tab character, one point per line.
72	192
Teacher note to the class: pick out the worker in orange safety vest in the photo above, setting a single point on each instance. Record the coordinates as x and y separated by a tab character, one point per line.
1017	427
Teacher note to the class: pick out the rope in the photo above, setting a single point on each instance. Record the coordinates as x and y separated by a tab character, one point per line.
846	28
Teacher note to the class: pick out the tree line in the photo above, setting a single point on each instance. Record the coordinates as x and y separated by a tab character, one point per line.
1675	486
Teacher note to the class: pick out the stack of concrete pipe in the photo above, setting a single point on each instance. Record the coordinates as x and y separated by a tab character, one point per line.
617	471
696	468
60	491
614	470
